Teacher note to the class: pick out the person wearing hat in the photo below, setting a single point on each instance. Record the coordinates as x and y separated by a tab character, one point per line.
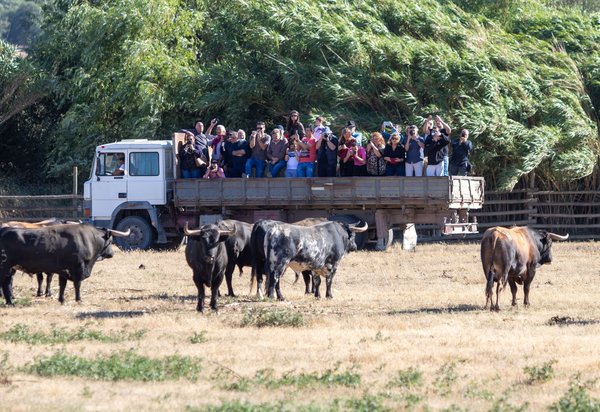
352	127
327	151
293	128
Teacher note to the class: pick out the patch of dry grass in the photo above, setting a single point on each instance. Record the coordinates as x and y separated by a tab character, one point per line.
407	328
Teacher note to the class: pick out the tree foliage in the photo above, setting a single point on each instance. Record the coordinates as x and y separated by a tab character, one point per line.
522	75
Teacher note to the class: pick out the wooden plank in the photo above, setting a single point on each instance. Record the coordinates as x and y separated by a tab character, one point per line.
565	226
508	223
567	215
572	204
509	201
500	213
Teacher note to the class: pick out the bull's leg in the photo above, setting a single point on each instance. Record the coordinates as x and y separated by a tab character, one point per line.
49	277
213	292
6	289
513	290
62	285
77	285
229	278
328	283
275	270
200	287
316	284
496	307
40	281
307	274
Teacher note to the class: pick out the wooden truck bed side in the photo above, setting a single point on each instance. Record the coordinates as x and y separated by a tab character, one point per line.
338	192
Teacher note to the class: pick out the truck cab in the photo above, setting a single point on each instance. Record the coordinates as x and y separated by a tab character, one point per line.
130	185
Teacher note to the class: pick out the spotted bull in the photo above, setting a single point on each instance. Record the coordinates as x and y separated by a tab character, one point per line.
513	255
69	250
318	248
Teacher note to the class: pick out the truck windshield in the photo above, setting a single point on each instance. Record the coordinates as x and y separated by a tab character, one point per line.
110	164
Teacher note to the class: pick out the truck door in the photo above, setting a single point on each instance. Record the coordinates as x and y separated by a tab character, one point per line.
109	185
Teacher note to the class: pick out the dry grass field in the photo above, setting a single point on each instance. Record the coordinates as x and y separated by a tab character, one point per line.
405	330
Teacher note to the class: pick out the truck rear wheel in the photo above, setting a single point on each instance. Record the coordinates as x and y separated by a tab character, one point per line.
141	237
360	238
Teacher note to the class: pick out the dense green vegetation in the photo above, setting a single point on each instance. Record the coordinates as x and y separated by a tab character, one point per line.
522	75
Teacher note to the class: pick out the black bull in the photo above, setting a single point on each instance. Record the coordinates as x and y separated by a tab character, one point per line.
318	248
71	250
513	255
206	254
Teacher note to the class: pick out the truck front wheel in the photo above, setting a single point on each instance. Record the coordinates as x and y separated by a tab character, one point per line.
141	237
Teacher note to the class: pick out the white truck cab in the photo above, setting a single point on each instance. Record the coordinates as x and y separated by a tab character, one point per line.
130	182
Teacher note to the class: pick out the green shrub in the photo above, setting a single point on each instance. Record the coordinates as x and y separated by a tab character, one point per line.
446	378
21	333
407	378
198	337
540	373
273	317
576	399
117	366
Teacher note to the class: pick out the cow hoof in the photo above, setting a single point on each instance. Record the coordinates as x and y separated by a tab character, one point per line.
231	295
38	295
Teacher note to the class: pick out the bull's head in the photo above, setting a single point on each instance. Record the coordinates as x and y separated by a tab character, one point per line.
107	251
352	230
546	239
209	237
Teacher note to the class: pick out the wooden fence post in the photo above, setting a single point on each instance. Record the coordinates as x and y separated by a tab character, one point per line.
75	192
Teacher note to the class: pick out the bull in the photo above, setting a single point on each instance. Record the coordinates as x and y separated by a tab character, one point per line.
69	250
317	248
239	251
513	255
206	254
37	225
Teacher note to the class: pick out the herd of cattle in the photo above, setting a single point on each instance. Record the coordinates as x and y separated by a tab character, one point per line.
312	247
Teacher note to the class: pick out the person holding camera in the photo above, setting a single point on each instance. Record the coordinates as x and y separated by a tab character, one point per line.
386	129
308	154
259	143
394	156
190	159
459	160
276	152
414	152
445	130
346	162
436	148
327	151
214	171
376	165
293	126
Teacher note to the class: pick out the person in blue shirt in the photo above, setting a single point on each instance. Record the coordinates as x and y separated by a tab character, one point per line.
414	146
459	160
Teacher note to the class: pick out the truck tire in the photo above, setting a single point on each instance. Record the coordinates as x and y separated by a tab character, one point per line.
141	237
360	238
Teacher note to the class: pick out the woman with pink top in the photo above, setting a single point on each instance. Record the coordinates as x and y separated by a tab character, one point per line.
308	154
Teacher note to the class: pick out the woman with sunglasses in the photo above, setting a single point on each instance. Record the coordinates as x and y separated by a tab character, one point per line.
376	165
294	128
394	155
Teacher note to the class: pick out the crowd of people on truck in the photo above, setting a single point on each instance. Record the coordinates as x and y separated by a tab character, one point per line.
295	150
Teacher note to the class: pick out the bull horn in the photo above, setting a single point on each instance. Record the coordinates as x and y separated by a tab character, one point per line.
189	232
117	233
229	232
554	236
357	229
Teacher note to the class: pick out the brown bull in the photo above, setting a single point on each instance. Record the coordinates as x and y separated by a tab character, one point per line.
513	255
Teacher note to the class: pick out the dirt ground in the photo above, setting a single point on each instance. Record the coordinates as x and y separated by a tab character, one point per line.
410	325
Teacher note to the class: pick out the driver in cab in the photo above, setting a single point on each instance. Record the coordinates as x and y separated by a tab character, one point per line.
120	170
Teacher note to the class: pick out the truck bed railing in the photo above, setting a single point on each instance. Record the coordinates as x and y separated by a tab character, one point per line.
346	192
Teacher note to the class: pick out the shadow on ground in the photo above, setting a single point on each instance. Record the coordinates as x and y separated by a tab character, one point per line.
436	310
107	314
